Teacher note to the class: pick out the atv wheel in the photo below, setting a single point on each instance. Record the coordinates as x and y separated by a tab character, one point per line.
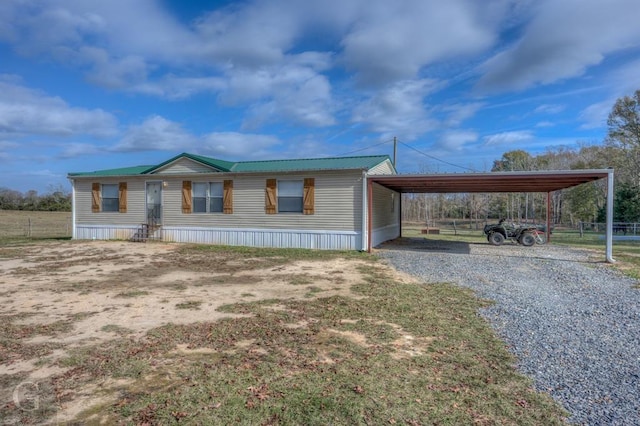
527	239
496	238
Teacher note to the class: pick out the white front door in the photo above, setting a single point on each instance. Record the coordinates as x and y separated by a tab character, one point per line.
154	203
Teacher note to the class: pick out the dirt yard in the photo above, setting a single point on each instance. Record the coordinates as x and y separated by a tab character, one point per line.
59	296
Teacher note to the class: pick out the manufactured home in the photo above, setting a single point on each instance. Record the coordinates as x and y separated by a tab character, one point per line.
319	203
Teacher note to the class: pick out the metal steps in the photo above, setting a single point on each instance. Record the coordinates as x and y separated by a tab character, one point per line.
145	232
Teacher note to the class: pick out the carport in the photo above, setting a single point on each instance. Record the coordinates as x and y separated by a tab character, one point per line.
494	182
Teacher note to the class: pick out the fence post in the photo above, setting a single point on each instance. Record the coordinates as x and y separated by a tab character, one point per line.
455	230
29	228
581	229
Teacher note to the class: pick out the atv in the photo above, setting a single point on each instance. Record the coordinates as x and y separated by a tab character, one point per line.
521	234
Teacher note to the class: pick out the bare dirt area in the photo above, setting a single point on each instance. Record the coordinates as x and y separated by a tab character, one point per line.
58	297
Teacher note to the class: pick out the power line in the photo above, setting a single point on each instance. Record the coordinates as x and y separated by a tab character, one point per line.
366	148
412	148
436	158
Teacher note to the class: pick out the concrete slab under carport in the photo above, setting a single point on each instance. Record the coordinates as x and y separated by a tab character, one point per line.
545	181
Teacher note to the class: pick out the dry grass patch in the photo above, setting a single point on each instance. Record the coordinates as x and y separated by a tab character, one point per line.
355	345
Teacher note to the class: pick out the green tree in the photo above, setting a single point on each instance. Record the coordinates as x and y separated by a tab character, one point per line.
517	160
624	138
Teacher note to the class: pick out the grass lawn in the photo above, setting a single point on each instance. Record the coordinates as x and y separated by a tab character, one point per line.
29	224
388	352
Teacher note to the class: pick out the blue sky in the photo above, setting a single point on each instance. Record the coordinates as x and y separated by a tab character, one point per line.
88	85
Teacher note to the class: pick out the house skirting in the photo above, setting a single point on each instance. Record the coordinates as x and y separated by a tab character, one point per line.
282	238
104	232
385	233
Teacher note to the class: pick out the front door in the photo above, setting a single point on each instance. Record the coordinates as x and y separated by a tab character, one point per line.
154	203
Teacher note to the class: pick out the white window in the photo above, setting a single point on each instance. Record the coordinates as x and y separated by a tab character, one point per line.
215	197
290	196
207	197
110	199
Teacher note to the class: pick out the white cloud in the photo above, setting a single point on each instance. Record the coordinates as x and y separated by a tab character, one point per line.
24	111
398	110
549	109
391	41
75	149
457	140
458	113
233	145
294	93
175	88
156	133
508	138
382	41
543	124
595	115
625	81
561	41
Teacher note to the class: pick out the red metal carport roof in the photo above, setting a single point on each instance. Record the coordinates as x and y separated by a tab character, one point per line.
537	181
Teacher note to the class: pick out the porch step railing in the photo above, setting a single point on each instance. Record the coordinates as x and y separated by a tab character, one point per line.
149	231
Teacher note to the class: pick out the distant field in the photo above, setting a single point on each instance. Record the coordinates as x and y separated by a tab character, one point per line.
35	224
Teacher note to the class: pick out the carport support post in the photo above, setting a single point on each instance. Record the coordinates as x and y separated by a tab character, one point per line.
369	213
548	230
609	225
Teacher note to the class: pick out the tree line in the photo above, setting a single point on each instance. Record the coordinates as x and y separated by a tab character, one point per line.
55	200
584	203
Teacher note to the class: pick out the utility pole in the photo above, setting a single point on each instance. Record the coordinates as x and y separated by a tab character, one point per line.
395	150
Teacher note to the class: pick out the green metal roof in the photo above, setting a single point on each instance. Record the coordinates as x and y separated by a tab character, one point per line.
334	163
309	164
124	171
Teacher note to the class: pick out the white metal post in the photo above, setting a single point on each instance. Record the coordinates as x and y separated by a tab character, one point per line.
73	209
609	232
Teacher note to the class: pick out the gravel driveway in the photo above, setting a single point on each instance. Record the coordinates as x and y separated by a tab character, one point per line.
572	321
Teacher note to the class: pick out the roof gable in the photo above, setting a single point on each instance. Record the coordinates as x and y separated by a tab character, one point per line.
211	163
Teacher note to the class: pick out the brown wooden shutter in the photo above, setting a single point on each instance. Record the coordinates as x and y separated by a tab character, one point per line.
309	195
270	201
122	197
227	198
95	197
186	196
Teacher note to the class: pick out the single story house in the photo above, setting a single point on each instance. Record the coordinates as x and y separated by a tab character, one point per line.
318	203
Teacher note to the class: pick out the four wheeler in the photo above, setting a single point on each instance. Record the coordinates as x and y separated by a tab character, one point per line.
522	234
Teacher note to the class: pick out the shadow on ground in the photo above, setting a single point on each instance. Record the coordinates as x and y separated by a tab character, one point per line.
430	245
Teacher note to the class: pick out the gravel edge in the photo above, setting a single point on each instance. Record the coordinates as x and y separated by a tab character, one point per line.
572	321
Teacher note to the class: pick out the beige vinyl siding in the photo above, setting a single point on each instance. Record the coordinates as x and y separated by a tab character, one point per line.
383	212
386	215
136	199
384	168
338	203
184	165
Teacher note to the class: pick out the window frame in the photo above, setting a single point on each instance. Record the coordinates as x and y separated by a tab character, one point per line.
207	198
114	205
280	197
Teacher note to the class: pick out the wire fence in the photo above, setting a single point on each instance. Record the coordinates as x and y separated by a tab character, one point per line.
619	228
34	224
